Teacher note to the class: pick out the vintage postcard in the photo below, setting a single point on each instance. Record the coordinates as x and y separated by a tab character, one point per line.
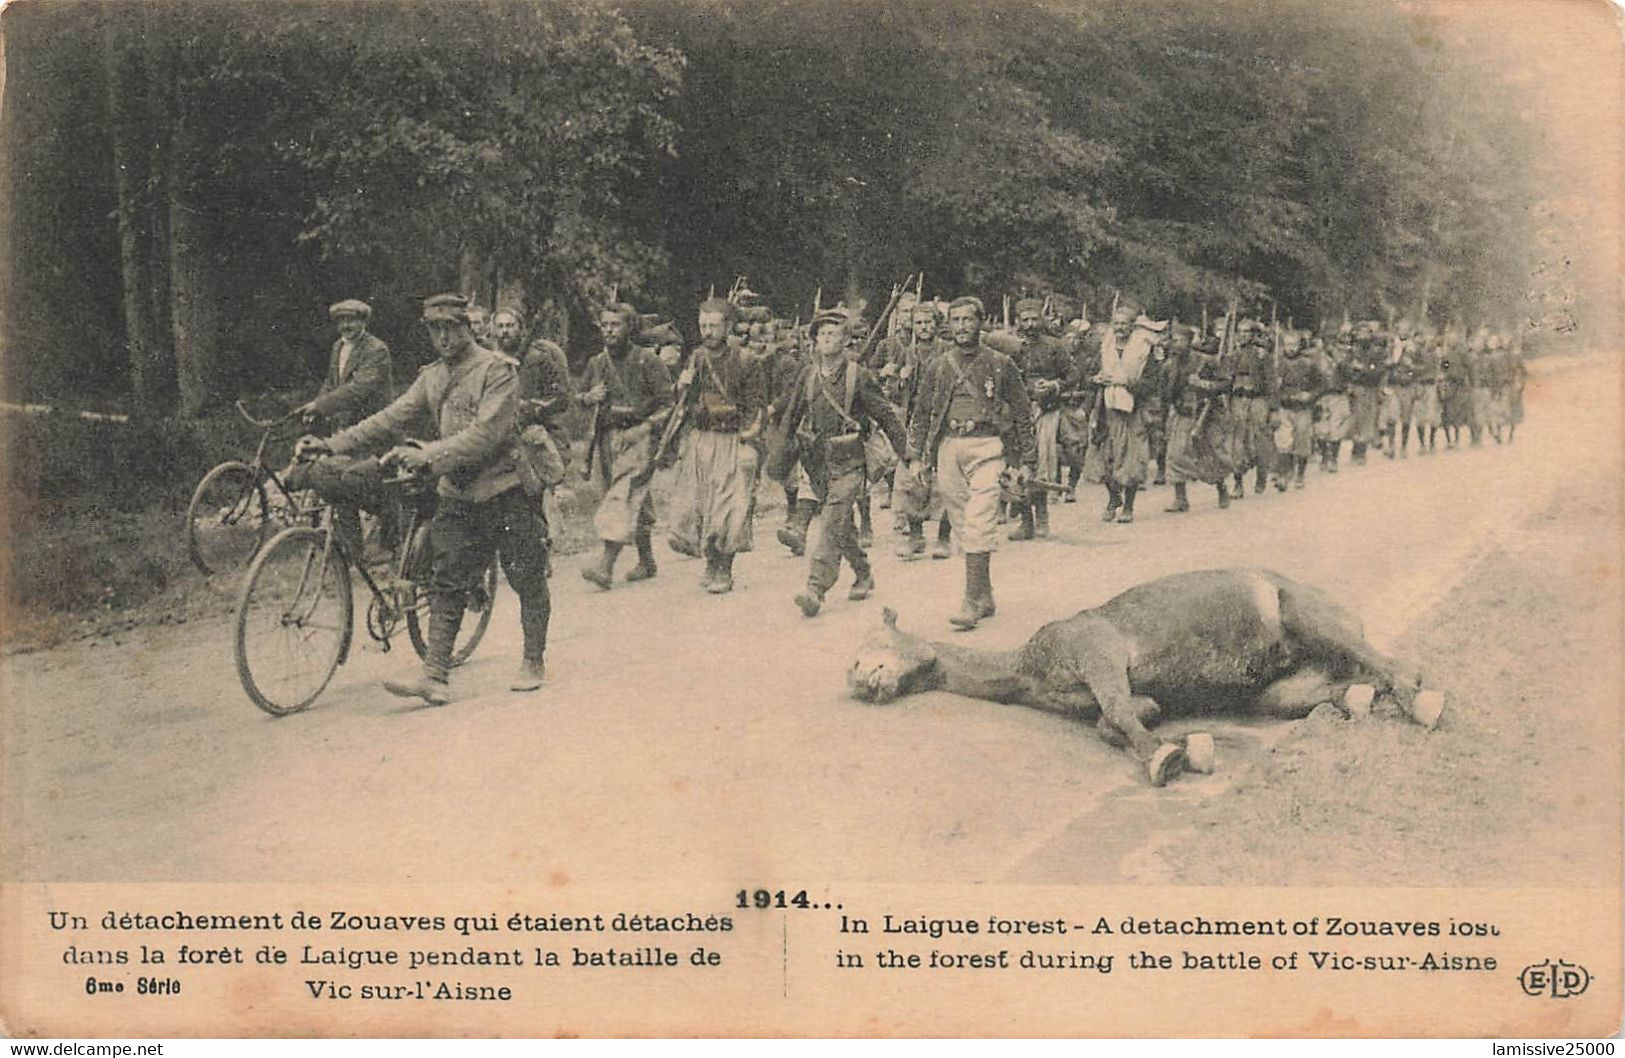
1030	518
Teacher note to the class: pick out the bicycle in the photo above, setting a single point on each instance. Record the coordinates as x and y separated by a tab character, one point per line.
232	513
295	616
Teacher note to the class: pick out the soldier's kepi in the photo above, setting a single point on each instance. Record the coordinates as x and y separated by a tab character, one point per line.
469	395
974	415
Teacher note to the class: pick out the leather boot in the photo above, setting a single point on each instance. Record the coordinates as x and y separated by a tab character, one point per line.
863	584
794	533
1224	494
1260	479
943	548
603	574
810	601
1041	514
866	525
1182	501
1023	531
1240	491
913	544
533	621
445	619
1072	476
1302	465
1114	500
646	567
1128	504
722	579
978	603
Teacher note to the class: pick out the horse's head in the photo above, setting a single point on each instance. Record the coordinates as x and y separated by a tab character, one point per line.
890	664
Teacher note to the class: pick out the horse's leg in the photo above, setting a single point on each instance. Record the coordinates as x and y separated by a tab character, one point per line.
1103	668
1295	696
1334	637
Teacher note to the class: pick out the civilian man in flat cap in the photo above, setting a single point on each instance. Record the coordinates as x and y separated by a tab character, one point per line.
467	397
829	410
630	390
360	380
974	415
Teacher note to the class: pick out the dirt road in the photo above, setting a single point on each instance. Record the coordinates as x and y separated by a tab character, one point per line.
688	735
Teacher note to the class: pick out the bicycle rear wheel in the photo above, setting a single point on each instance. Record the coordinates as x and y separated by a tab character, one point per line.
294	620
228	520
468	635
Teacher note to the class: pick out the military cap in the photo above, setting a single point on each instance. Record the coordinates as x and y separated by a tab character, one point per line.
968	299
828	318
727	309
1034	304
444	307
755	313
350	307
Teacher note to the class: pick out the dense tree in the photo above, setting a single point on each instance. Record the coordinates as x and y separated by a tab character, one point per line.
233	168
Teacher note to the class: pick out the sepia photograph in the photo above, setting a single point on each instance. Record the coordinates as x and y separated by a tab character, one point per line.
896	507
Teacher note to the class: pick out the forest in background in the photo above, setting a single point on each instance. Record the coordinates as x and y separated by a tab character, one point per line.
188	185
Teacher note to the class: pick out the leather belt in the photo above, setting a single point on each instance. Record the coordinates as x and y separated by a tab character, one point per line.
972	428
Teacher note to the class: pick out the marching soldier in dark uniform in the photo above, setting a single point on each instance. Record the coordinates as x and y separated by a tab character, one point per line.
1252	398
1455	389
1199	432
917	497
629	390
1045	367
1333	411
1302	381
974	415
1368	367
725	396
469	397
1399	393
829	410
1425	357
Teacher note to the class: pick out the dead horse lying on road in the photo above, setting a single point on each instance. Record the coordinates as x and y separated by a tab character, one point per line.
1216	641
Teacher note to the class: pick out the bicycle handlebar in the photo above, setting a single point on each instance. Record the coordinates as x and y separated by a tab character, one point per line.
263	424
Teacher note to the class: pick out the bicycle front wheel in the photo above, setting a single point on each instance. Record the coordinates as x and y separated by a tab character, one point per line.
293	621
469	633
228	520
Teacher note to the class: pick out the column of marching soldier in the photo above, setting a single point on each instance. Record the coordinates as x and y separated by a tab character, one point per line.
960	427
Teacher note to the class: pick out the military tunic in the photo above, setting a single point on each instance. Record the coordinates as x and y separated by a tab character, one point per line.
638	388
720	452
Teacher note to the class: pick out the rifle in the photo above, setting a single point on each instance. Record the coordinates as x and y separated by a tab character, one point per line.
675	421
594	429
874	333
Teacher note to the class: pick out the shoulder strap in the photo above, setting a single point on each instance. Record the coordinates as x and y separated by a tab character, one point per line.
851	386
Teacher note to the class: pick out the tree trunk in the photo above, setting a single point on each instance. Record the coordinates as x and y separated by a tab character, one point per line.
192	295
151	359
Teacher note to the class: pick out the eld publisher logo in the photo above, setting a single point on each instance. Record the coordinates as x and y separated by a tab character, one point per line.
1558	980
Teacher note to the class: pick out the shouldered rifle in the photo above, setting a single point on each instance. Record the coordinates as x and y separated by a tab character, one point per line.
1224	348
594	437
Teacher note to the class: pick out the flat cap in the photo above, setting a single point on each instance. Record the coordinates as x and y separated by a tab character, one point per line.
1029	305
445	307
350	307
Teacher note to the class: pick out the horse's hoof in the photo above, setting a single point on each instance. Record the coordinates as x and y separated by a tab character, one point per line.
1357	700
1165	763
1427	708
1199	752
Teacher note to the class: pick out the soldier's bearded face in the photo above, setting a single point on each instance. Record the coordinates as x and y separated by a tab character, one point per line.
505	329
925	327
613	327
713	328
1029	321
350	327
965	324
